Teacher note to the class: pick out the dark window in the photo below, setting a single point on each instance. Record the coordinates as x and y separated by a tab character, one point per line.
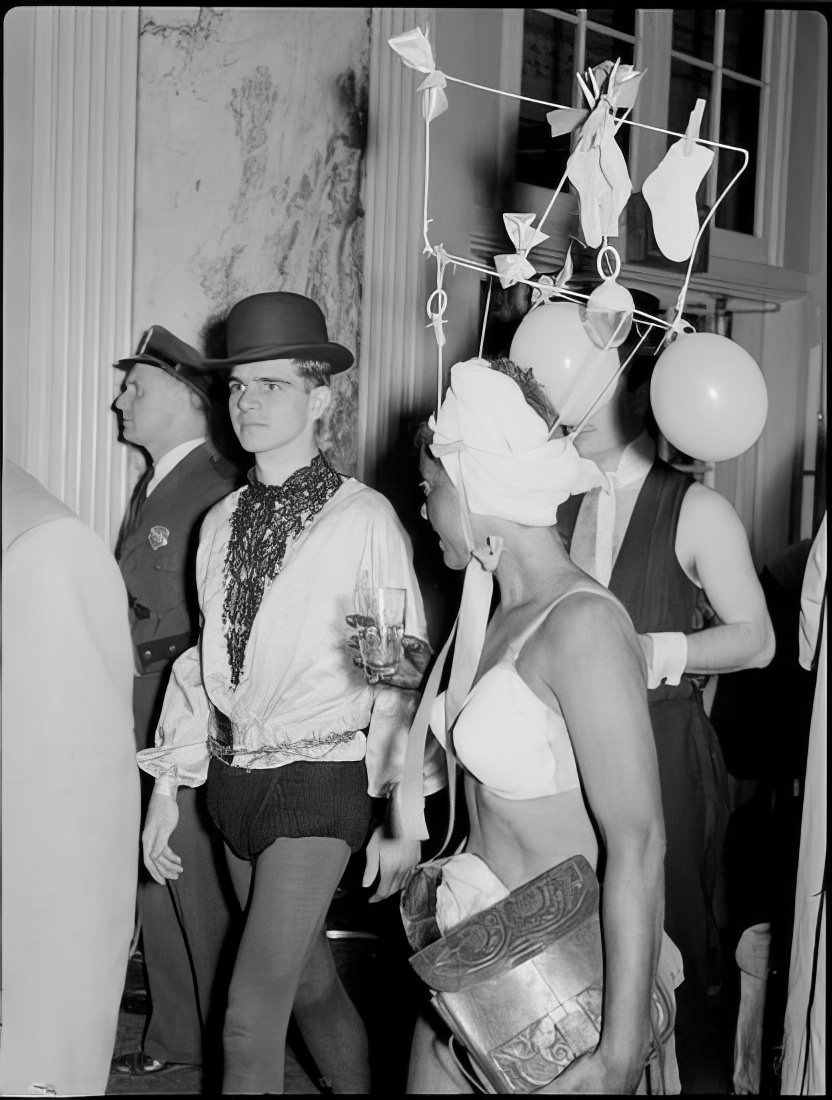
739	124
743	47
693	32
548	74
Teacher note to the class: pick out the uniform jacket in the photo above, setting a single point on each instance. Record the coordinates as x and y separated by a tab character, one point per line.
156	552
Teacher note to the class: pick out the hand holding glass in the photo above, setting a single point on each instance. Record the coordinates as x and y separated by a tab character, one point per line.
380	625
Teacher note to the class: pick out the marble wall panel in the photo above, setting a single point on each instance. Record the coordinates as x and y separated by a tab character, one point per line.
251	138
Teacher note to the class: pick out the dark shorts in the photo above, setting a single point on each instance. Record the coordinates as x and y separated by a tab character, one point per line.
308	798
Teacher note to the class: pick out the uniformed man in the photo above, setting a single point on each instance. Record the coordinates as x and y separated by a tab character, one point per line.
165	408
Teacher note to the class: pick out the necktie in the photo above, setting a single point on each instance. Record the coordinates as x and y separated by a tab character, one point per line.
140	495
592	540
132	514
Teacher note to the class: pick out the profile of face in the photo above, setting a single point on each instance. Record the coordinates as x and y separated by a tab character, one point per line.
150	404
441	510
271	407
613	425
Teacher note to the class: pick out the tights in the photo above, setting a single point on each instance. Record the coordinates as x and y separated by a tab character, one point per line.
284	965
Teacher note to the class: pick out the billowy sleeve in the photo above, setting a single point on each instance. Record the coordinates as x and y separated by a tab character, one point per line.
388	560
180	756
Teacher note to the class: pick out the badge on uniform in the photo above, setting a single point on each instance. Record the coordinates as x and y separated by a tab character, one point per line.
158	537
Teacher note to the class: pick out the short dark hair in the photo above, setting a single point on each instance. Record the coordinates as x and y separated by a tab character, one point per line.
531	389
314	372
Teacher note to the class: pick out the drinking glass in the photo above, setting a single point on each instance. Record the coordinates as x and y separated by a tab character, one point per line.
380	629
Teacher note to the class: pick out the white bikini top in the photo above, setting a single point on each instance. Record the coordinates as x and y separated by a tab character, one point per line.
508	738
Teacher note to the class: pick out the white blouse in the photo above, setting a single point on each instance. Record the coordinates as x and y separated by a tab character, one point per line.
300	697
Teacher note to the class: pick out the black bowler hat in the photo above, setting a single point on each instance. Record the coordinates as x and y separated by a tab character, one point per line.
278	325
162	349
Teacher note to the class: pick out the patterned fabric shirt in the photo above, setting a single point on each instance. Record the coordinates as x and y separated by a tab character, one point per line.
286	682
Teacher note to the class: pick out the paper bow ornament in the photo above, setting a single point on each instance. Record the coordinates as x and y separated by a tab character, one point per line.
597	169
513	266
542	292
414	50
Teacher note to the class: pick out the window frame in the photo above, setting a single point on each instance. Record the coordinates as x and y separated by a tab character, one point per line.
730	252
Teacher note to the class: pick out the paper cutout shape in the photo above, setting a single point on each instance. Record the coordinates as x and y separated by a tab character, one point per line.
521	231
597	169
623	81
541	293
513	266
598	172
670	191
414	50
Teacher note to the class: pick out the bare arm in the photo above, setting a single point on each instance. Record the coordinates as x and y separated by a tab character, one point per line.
712	547
588	655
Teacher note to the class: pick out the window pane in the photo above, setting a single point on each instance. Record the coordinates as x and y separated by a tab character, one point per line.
548	57
739	126
693	32
743	48
687	84
548	74
600	47
620	19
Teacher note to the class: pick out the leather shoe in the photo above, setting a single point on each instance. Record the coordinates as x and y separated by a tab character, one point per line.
138	1064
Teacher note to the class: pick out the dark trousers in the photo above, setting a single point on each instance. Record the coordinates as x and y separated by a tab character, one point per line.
185	926
186	941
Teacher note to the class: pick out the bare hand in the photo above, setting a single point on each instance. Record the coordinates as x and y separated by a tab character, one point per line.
159	858
389	859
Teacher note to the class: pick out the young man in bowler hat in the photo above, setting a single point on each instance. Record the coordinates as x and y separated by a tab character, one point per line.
271	713
165	408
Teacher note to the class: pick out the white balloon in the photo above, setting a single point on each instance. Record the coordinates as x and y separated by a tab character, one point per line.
708	396
555	345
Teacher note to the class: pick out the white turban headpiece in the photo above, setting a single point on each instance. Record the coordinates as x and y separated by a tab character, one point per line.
487	432
496	451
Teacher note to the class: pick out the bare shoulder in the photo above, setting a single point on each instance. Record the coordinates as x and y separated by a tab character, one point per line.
704	505
583	624
709	526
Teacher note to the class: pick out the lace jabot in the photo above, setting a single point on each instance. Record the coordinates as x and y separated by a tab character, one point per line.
265	520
